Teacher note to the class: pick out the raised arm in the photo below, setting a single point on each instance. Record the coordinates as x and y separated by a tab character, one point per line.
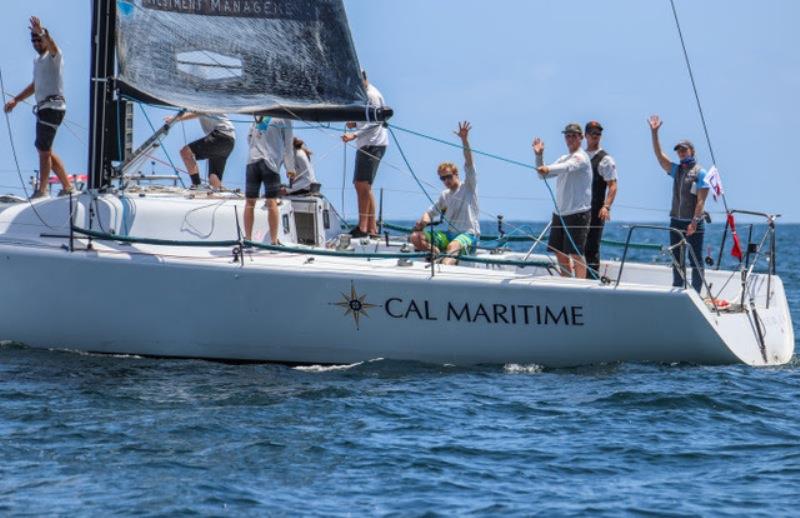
49	42
463	133
538	151
663	160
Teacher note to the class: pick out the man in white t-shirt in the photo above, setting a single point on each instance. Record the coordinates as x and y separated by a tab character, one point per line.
371	139
604	191
216	146
48	85
570	224
458	205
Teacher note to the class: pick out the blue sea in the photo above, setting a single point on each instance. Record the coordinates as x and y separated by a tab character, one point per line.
97	435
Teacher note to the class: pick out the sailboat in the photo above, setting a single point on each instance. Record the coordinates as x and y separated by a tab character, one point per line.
320	298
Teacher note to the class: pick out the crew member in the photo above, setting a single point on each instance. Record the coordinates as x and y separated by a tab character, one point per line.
216	146
48	86
271	146
458	204
604	191
689	192
372	139
570	224
300	183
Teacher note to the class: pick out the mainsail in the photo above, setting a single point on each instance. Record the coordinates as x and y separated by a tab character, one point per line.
289	57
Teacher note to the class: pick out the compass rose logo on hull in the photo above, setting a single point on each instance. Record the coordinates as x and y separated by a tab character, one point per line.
355	304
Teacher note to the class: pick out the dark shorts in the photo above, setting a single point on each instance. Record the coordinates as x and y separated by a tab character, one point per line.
259	173
578	226
47	123
368	158
215	147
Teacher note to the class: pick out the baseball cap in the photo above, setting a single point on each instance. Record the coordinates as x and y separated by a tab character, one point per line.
573	127
684	143
593	125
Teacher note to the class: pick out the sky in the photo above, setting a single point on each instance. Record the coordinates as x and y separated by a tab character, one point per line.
515	69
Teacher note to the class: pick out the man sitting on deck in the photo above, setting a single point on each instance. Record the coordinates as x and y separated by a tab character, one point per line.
458	204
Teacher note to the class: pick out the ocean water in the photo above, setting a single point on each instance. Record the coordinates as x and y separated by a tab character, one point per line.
98	435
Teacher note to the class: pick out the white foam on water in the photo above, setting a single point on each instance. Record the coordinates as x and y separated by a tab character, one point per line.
326	368
516	368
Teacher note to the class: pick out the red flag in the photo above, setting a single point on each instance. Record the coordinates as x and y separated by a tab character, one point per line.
736	250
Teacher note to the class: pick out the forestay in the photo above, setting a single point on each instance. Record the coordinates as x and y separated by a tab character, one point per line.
240	56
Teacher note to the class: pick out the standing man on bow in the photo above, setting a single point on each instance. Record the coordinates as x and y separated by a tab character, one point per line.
48	86
570	224
604	190
689	192
371	139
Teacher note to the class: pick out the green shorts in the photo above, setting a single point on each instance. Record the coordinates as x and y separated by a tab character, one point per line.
442	239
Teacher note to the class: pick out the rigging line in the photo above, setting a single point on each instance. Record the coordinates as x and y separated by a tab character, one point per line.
496	157
694	88
161	142
458	146
322	129
16	159
344	179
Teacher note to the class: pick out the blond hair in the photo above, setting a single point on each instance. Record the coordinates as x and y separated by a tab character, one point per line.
447	167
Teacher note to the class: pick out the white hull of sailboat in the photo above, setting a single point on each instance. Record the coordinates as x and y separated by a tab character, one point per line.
172	301
334	312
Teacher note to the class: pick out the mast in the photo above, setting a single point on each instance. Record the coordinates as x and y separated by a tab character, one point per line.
101	93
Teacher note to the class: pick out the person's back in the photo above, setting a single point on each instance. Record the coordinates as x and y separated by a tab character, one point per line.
271	140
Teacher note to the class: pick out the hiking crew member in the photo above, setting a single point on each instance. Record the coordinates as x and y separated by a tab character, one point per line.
573	201
458	203
689	192
300	183
271	145
604	190
48	86
371	140
216	147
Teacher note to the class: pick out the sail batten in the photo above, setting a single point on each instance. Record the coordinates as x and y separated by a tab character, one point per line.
239	56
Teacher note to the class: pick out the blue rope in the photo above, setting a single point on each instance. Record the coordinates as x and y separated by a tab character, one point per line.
416	179
458	146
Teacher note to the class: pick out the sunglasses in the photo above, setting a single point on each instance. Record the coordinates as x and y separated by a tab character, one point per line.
594	133
446	177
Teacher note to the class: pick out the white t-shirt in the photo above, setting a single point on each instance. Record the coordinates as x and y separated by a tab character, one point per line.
221	123
460	207
273	145
574	181
305	172
372	134
48	80
607	167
